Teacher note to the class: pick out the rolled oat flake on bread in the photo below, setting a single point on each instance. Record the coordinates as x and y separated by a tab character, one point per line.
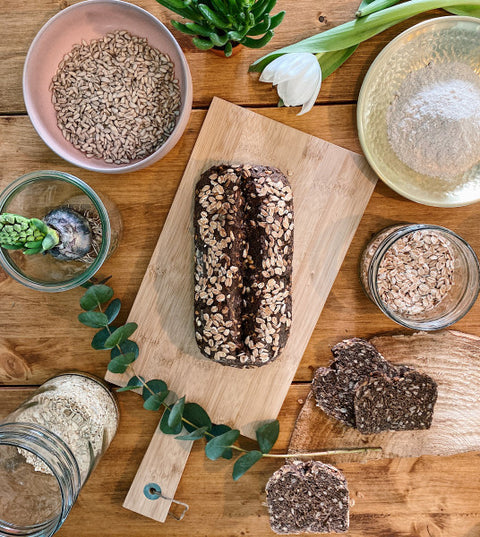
401	403
308	497
243	221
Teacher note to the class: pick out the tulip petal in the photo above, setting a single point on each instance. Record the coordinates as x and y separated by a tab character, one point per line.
308	105
287	67
298	91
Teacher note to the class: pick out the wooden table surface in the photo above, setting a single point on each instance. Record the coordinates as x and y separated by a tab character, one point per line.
40	335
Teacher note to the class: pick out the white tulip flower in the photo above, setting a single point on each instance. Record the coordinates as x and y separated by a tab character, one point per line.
298	78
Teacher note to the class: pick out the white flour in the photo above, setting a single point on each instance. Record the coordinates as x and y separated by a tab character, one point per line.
433	123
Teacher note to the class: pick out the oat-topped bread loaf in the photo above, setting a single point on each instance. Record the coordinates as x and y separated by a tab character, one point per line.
363	390
243	220
308	497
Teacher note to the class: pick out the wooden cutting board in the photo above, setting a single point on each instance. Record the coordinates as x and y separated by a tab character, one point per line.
331	188
452	359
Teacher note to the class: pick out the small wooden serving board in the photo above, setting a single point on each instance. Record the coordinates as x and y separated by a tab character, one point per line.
452	359
331	188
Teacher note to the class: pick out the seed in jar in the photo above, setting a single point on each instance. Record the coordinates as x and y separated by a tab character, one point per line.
116	97
416	273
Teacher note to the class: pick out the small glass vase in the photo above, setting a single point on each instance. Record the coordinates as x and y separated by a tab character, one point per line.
48	448
34	195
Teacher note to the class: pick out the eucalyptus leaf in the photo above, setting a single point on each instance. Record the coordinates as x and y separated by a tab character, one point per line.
133	384
165	428
176	413
113	310
197	416
115	366
267	435
218	445
123	348
121	334
156	386
154	402
197	434
94	319
218	429
99	339
95	295
244	463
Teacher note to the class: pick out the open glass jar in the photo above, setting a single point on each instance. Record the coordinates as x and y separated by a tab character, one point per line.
42	193
422	276
48	448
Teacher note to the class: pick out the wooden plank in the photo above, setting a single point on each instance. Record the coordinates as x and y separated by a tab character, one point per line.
331	187
28	343
425	497
23	19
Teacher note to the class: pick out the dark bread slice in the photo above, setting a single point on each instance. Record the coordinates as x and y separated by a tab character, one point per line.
243	220
334	387
308	497
401	403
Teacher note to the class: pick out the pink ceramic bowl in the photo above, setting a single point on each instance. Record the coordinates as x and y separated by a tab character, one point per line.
90	20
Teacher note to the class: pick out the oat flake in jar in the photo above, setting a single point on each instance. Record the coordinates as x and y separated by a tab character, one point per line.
422	276
48	447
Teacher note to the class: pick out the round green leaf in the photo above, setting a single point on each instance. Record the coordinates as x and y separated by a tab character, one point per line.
133	384
154	402
197	434
116	367
176	413
218	445
267	435
197	416
113	310
165	428
121	334
156	386
99	339
244	463
95	295
123	348
94	319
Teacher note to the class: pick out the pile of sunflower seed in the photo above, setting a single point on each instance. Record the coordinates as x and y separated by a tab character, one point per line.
116	98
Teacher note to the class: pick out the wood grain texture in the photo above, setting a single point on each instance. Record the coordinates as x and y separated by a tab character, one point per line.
144	199
331	187
226	78
452	359
413	497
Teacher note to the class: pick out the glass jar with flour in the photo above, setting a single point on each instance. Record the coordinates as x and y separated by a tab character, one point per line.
48	448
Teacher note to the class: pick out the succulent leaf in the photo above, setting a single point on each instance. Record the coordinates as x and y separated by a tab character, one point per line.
202	44
217	40
277	19
258	43
213	17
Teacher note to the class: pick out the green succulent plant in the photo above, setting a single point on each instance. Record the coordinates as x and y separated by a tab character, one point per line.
28	234
226	23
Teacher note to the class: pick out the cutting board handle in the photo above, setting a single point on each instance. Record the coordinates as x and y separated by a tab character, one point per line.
163	465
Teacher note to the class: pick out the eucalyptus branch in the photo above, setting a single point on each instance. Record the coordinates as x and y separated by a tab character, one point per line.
178	416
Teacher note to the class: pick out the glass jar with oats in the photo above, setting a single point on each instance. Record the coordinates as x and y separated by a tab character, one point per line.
424	277
48	447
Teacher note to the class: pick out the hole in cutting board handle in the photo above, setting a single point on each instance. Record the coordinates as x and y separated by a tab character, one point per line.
153	491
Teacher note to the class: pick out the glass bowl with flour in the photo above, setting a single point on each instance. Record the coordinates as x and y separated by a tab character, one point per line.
418	112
